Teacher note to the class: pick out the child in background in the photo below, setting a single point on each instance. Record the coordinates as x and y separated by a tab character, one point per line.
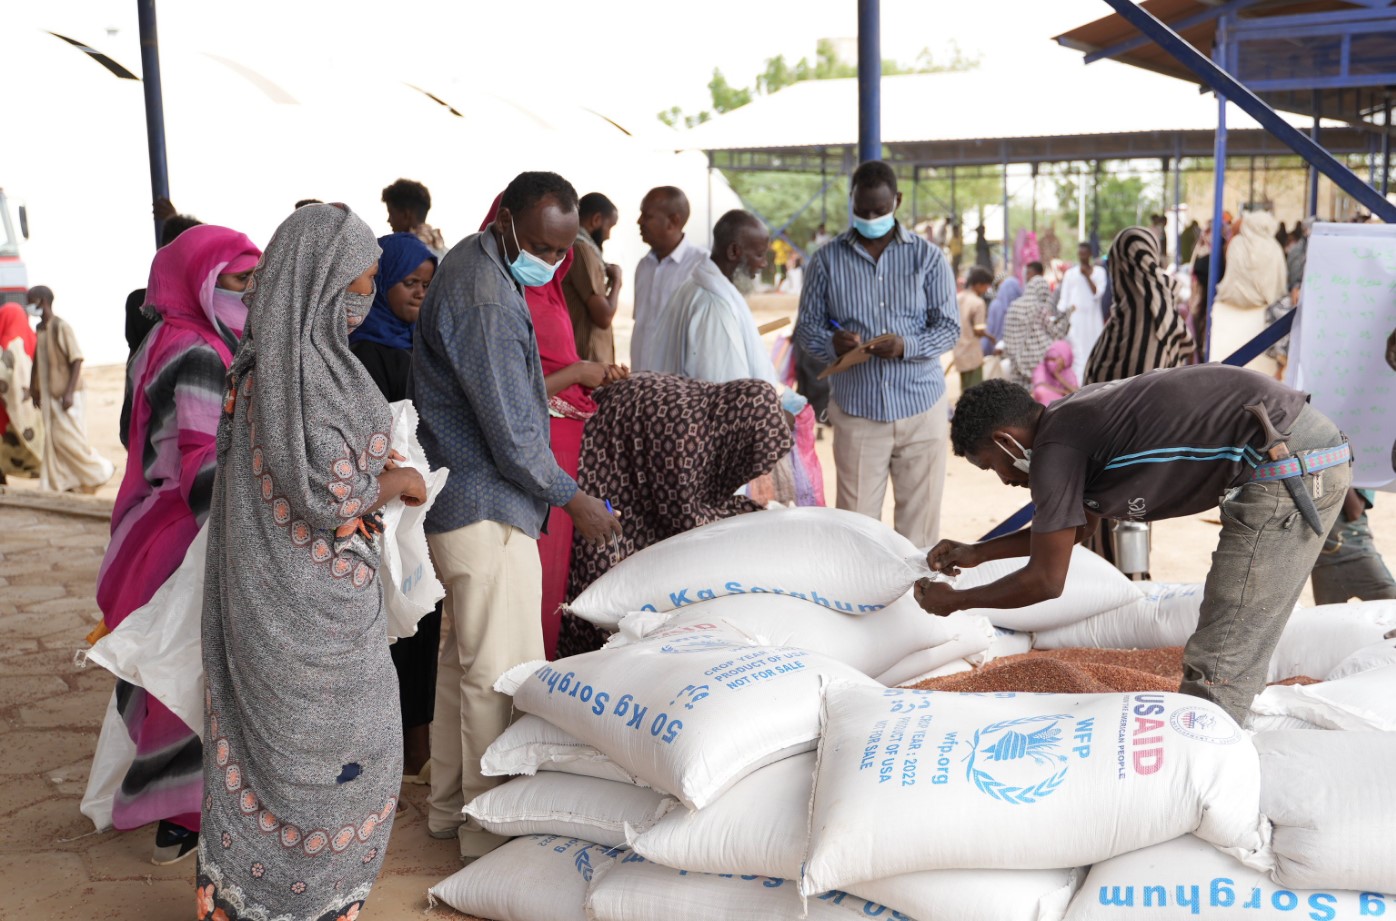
974	318
1054	379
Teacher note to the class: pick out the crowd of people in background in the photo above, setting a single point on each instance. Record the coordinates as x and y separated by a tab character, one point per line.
257	410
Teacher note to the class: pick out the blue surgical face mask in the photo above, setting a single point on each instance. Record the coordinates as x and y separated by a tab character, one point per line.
875	228
527	269
1019	463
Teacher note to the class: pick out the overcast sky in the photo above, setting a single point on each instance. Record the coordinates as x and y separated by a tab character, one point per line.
628	58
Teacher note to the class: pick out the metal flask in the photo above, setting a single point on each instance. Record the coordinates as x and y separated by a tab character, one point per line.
1132	547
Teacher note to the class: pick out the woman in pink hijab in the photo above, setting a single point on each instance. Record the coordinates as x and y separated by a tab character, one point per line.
1054	379
177	381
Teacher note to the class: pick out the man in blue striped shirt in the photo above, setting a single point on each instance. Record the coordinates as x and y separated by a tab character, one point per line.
888	413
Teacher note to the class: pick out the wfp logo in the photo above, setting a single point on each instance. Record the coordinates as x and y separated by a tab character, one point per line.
1019	761
1204	726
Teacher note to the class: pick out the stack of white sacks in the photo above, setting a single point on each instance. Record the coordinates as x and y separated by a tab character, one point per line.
736	752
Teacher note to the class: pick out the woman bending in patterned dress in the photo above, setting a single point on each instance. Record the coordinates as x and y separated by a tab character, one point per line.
303	739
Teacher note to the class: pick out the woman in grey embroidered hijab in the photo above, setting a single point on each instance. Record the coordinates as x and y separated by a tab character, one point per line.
303	743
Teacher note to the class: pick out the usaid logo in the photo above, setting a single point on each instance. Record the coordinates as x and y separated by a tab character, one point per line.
1204	726
1019	761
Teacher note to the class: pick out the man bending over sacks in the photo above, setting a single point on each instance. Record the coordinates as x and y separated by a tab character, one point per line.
1165	444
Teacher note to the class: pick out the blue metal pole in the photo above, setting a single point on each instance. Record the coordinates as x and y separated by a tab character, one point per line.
1218	194
154	107
1386	151
1178	212
869	81
1095	210
1007	244
1313	169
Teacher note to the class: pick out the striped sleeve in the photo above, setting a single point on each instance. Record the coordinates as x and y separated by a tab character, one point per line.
186	402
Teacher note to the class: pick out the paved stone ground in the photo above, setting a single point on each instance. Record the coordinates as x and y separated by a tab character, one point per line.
56	867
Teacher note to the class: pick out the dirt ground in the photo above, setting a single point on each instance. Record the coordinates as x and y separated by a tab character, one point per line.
56	868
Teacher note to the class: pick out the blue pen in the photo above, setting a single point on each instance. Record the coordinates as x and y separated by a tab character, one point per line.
835	325
615	539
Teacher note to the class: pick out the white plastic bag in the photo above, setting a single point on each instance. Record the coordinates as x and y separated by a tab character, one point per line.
1366	700
871	643
568	805
110	763
919	780
536	878
1187	878
1093	587
759	827
976	895
410	587
688	712
1315	640
634	889
159	646
1006	642
1166	616
1378	655
532	744
1257	723
974	636
1330	798
840	560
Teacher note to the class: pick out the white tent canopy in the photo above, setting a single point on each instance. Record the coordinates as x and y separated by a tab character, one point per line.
245	144
1064	99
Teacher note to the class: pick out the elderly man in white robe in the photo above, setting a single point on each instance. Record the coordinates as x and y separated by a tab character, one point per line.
707	331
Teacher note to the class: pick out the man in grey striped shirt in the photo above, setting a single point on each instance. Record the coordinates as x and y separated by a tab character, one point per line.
889	413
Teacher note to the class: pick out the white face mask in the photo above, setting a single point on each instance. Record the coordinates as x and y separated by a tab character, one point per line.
34	310
1019	463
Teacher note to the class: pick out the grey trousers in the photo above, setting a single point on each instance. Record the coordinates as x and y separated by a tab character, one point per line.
1262	560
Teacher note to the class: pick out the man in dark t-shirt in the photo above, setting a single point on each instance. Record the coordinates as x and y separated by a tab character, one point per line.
1165	444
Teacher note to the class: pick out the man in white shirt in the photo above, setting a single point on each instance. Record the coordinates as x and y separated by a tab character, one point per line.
707	331
1082	287
669	263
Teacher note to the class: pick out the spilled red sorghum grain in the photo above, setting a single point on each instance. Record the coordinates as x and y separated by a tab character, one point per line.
1077	671
1165	663
1299	680
1048	675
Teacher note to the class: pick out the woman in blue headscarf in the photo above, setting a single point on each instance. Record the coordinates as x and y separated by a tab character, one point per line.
1009	290
383	343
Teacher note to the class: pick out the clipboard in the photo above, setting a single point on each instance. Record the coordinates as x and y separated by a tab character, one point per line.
856	356
773	325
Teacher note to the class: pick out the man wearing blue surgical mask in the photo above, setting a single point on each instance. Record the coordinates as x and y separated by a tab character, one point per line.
478	386
889	295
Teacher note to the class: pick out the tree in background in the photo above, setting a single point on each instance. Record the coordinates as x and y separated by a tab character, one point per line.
827	65
1124	201
777	195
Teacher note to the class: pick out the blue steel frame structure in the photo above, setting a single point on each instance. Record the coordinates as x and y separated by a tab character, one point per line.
154	107
1231	34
